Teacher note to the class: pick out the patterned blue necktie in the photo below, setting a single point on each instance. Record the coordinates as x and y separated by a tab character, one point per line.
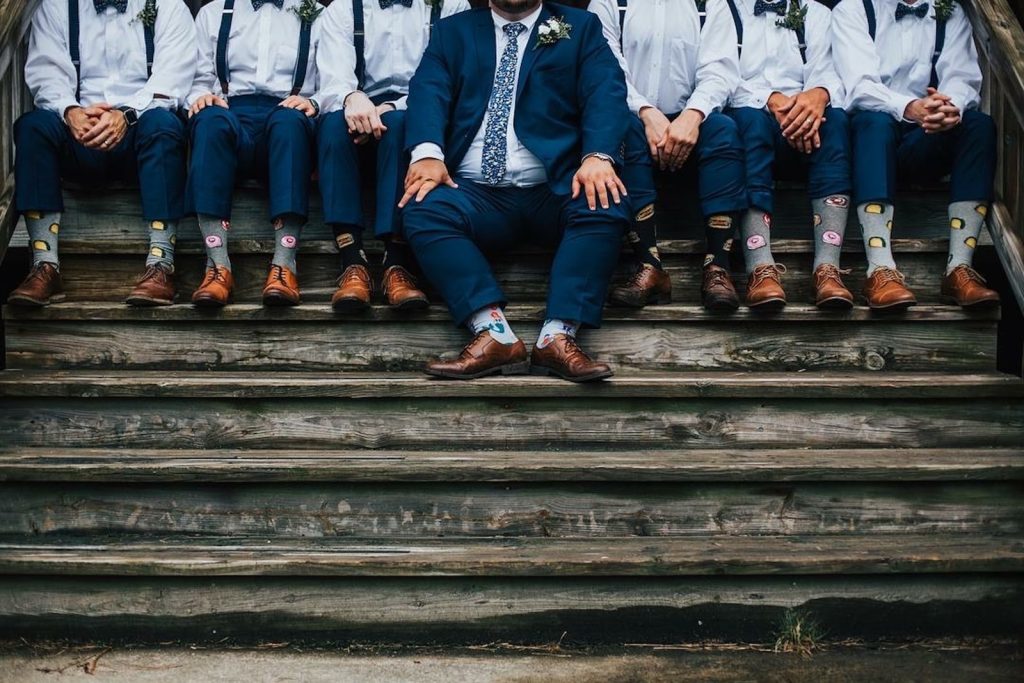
762	7
499	108
120	5
256	4
918	10
384	4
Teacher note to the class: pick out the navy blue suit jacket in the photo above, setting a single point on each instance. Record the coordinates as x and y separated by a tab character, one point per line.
571	96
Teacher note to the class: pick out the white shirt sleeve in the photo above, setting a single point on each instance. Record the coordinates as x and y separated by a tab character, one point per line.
426	150
608	12
49	73
820	71
174	59
336	56
957	66
205	80
858	65
718	64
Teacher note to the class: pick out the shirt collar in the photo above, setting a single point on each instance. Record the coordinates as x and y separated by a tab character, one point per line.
527	21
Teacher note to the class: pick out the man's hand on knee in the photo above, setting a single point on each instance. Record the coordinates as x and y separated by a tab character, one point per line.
208	100
597	179
423	177
362	116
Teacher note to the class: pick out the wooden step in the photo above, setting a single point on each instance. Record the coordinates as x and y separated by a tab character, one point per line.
735	465
676	337
761	556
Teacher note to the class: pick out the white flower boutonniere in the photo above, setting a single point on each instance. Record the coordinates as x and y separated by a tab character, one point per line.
944	9
147	17
308	11
552	31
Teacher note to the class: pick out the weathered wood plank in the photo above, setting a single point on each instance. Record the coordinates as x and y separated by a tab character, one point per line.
283	466
481	610
760	556
584	422
702	343
262	385
568	510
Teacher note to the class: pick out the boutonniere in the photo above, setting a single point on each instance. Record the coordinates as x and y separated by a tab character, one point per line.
795	16
147	16
308	11
552	31
432	3
944	9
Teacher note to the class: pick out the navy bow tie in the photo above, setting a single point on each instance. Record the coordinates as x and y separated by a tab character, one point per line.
256	4
384	4
919	10
120	5
762	7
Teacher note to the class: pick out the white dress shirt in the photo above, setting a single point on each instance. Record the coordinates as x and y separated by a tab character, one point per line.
263	47
771	57
112	56
667	65
395	40
523	168
889	73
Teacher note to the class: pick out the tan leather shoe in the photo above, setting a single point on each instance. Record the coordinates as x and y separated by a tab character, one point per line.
564	357
481	357
282	287
886	290
155	287
829	290
216	289
717	292
647	285
966	287
401	291
42	286
764	287
354	290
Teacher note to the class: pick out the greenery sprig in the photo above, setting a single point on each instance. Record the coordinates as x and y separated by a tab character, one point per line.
432	3
308	10
944	9
147	16
795	17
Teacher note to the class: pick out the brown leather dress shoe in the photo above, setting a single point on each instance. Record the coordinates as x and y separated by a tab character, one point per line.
155	287
564	357
481	357
829	290
282	287
400	290
886	290
717	292
764	287
354	290
42	286
647	285
966	287
215	291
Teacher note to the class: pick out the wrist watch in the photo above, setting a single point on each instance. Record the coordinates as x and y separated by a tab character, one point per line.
316	107
131	117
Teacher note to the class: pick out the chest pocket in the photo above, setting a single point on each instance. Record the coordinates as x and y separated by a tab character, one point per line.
683	56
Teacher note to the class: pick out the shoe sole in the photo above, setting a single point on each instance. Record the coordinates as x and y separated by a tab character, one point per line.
147	302
207	302
509	369
659	300
976	306
836	303
894	307
29	302
721	306
350	306
416	304
768	305
544	371
278	301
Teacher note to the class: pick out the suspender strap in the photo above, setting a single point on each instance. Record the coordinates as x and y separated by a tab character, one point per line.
801	40
223	75
869	10
359	39
940	41
435	13
149	33
702	12
73	47
622	15
739	25
303	57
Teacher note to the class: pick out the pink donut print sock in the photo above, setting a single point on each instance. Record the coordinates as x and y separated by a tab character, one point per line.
215	239
830	214
287	231
756	236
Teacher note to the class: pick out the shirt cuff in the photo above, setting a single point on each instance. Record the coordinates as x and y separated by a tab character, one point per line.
898	105
702	104
426	150
61	106
638	103
962	99
401	104
761	97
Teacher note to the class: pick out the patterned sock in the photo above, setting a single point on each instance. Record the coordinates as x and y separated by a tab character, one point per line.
349	239
643	237
215	237
965	221
756	231
830	215
718	233
43	228
162	237
876	224
397	253
553	326
287	230
492	318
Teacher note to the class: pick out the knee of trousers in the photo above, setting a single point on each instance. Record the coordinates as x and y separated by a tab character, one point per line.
211	124
290	122
333	139
392	142
874	127
421	221
979	129
753	124
39	127
160	122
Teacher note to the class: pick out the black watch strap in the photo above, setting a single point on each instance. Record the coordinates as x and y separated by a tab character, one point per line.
131	116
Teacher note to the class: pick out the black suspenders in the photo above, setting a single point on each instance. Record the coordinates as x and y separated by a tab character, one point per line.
74	33
940	38
224	74
359	35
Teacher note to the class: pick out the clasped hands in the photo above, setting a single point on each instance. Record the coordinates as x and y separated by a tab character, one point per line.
935	112
800	117
99	126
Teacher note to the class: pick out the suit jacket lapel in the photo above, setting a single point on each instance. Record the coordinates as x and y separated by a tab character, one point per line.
532	51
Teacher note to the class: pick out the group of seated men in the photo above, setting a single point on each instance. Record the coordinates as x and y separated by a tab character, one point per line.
519	122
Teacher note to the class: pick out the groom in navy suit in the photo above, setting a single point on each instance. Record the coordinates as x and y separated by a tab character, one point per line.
516	119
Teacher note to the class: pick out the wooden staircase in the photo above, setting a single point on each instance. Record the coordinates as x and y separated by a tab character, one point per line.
258	474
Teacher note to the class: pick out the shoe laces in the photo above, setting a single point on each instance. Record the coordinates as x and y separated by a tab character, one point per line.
636	280
968	274
352	274
573	350
714	277
885	275
215	273
277	273
37	272
399	276
769	271
152	272
829	271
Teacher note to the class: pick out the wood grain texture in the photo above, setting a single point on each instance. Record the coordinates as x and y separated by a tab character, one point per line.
86	465
557	510
512	423
760	556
